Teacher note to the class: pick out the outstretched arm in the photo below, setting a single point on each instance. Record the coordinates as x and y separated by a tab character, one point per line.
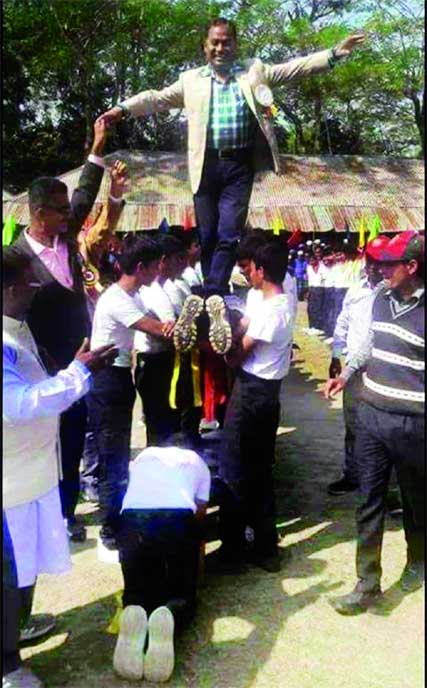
312	64
147	102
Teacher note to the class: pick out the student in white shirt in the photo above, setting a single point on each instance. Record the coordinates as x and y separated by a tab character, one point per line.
155	357
159	545
328	292
247	452
315	295
111	399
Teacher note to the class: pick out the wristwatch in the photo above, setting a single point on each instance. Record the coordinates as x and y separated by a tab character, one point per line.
125	111
333	57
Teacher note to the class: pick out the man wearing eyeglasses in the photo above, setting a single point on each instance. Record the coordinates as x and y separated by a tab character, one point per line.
58	317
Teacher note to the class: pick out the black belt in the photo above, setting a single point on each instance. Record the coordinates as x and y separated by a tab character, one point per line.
234	154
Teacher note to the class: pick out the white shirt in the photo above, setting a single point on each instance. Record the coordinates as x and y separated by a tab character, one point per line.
115	313
315	277
32	403
167	478
270	324
156	303
193	276
354	320
328	275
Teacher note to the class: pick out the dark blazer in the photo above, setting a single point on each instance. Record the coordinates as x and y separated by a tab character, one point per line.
58	317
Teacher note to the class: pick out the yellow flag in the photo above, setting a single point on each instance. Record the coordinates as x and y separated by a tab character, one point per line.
277	225
374	227
362	232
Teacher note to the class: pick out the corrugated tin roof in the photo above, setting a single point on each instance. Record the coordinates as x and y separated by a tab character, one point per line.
312	194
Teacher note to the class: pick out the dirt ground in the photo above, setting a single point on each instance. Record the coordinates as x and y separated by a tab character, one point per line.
260	630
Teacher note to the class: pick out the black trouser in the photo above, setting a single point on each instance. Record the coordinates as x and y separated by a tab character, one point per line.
245	465
221	205
17	603
153	376
90	474
110	403
328	311
159	555
72	433
339	295
315	307
385	439
301	287
351	399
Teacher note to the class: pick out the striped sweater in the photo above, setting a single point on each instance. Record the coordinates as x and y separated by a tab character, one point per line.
394	376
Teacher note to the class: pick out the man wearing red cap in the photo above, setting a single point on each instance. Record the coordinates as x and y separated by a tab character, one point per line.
390	418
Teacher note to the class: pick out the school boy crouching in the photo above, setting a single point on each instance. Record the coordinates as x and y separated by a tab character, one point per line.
159	545
247	453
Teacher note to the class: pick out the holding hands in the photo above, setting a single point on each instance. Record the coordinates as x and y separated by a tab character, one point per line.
349	44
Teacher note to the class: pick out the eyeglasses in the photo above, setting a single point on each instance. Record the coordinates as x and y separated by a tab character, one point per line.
61	209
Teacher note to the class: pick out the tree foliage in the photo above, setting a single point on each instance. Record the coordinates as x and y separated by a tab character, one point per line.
66	62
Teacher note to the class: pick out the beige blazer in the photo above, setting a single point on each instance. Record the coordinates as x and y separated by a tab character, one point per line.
192	91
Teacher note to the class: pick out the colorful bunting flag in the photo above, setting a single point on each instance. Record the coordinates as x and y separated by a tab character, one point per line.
278	225
164	226
374	227
362	232
9	230
295	238
187	224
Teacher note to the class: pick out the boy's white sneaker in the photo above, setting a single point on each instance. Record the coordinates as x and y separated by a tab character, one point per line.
128	660
159	658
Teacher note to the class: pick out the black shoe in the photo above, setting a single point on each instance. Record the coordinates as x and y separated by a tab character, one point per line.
107	536
413	577
37	627
226	562
271	564
356	602
90	494
76	530
341	487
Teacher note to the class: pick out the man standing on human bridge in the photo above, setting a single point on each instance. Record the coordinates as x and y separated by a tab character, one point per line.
230	137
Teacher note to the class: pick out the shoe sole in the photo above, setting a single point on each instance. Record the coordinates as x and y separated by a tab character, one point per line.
185	333
128	659
160	658
219	328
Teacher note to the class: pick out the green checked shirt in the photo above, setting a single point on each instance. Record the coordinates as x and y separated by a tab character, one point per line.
231	122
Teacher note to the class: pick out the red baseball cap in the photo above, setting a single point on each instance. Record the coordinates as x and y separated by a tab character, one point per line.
376	246
406	246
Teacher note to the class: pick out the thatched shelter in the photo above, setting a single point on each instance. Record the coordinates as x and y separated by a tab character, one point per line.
314	194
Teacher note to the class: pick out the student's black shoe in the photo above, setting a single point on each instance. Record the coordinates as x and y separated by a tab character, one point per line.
226	563
37	627
271	564
185	333
356	602
220	336
76	530
413	577
341	487
108	537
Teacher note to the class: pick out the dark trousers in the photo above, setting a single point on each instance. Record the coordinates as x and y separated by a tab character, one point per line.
90	474
110	403
351	399
245	466
17	603
339	295
384	440
328	311
315	307
159	554
153	377
72	432
221	205
301	288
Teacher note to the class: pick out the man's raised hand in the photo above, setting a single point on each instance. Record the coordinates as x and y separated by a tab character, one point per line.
112	116
119	179
349	44
99	137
